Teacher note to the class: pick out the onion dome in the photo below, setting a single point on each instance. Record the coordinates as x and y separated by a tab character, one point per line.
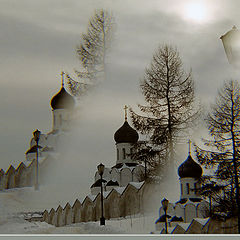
62	100
126	134
189	168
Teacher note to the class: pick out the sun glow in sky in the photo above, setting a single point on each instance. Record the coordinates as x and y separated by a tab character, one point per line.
196	11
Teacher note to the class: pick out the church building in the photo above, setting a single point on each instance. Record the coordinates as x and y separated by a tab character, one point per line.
62	105
126	169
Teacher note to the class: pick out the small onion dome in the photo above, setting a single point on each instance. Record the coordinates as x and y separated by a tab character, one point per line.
189	168
126	134
98	183
62	100
33	149
112	183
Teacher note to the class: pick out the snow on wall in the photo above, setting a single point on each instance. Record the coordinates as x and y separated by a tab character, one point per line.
22	176
116	204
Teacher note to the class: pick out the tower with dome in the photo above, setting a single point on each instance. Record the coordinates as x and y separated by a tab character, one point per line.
126	169
62	104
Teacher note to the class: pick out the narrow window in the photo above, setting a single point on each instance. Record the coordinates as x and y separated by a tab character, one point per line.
117	154
188	188
181	188
131	153
195	188
124	153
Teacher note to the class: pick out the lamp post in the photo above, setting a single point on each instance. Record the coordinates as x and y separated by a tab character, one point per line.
165	207
36	136
100	168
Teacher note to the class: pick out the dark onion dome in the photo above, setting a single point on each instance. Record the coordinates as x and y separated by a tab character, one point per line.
189	168
98	183
62	100
126	134
112	183
33	149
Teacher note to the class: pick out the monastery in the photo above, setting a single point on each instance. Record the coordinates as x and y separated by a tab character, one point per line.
124	191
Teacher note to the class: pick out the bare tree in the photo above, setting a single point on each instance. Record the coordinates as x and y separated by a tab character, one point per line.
224	127
93	50
169	93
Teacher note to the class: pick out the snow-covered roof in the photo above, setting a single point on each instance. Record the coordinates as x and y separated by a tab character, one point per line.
202	221
137	185
184	225
120	190
92	197
106	193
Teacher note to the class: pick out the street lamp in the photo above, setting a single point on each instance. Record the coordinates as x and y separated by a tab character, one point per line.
165	207
36	136
100	168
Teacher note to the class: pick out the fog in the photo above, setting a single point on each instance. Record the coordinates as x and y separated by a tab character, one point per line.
38	41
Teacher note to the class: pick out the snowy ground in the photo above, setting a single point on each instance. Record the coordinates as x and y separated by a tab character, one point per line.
15	202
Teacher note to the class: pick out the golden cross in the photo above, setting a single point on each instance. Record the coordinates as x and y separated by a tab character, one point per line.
125	109
62	74
189	147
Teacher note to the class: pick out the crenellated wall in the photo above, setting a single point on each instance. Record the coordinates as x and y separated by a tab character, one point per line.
119	202
22	176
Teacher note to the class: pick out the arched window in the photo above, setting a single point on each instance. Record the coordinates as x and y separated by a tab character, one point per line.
117	154
124	153
188	188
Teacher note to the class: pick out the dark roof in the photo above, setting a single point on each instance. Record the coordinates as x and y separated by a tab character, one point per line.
62	100
176	219
98	183
119	165
195	199
189	168
33	149
182	201
126	134
162	218
112	183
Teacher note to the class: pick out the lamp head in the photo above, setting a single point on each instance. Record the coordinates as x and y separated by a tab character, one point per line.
36	135
165	204
100	168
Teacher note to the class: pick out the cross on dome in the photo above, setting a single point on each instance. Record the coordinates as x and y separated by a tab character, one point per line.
189	147
62	74
125	110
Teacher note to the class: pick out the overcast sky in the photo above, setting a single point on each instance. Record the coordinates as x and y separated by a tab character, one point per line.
38	41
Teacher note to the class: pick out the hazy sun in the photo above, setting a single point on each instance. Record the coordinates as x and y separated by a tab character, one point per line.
196	11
